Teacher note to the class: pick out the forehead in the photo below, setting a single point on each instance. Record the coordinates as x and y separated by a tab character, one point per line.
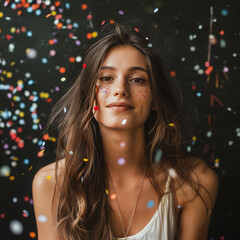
125	55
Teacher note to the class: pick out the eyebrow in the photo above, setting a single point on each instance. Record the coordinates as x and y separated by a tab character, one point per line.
130	69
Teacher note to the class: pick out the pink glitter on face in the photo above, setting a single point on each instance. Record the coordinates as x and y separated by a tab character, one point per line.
143	94
103	90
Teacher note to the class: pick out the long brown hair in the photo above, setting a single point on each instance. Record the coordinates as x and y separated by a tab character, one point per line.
83	209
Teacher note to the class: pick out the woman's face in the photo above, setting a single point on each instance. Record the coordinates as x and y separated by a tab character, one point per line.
123	78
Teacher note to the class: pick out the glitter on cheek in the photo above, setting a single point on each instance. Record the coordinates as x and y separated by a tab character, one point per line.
103	90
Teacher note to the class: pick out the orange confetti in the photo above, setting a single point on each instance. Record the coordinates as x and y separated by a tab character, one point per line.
113	196
57	3
45	136
47	16
84	6
32	234
89	36
40	154
62	70
71	59
49	100
172	74
51	42
59	25
112	21
19	12
208	70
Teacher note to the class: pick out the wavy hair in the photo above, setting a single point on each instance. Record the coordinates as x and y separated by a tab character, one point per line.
83	209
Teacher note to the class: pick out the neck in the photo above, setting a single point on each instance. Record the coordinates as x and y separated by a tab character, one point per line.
124	154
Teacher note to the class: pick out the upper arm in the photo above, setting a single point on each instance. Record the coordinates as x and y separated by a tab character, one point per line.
43	190
194	222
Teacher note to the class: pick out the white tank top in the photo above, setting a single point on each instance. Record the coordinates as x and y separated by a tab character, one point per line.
163	225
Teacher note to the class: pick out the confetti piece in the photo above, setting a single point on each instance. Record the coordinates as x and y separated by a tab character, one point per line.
25	213
42	218
32	234
172	173
120	12
84	6
158	156
103	22
208	70
150	204
84	65
122	144
71	152
16	227
113	196
124	121
136	29
85	159
171	124
96	108
48	177
155	10
121	161
106	191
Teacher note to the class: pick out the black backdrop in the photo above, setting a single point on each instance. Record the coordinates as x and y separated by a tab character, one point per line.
39	58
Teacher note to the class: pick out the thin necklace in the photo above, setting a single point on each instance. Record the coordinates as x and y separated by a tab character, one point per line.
119	211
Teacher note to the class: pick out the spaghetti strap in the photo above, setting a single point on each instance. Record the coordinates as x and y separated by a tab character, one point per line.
168	183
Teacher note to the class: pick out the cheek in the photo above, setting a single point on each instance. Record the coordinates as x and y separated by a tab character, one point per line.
144	94
103	91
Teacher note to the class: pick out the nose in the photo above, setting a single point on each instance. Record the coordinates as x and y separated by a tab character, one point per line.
121	89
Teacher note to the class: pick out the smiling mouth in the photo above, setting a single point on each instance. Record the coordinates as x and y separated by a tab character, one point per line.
120	108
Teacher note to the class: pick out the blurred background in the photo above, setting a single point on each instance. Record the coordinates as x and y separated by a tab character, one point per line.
41	50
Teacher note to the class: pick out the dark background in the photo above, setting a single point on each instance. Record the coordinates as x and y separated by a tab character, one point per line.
184	26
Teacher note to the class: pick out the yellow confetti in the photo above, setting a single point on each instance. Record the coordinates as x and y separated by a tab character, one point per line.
21	114
30	168
48	177
9	75
171	124
194	138
42	151
85	159
106	191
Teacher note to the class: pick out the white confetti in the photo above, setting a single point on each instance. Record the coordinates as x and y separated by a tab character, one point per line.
172	173
42	218
124	121
16	227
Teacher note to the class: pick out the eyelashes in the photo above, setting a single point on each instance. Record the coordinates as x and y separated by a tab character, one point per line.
107	79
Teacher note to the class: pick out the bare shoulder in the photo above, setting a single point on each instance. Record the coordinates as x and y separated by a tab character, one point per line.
206	181
43	190
48	172
206	175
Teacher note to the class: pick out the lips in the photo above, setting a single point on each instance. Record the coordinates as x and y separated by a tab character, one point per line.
120	106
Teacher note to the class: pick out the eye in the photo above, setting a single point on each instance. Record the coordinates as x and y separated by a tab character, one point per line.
138	80
106	78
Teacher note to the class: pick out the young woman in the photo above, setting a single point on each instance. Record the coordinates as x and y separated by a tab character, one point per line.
122	170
